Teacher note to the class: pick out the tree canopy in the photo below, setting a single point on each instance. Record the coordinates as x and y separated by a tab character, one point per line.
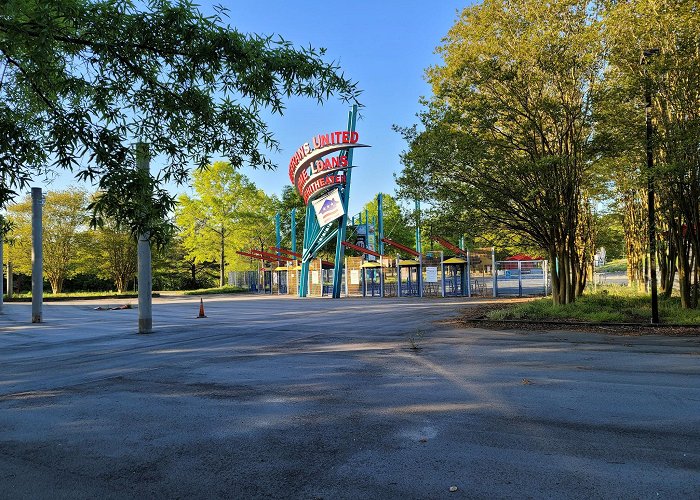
670	75
537	124
507	132
397	225
64	224
82	80
228	213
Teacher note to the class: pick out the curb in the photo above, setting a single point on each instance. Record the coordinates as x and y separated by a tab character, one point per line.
578	323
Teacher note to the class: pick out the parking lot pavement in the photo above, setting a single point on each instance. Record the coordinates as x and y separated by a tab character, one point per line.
273	397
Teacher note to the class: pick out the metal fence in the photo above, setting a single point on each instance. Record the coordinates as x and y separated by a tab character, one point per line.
508	278
245	279
521	278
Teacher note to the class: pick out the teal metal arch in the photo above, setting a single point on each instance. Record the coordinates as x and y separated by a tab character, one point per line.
316	236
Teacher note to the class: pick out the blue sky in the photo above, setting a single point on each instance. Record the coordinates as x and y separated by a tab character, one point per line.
384	45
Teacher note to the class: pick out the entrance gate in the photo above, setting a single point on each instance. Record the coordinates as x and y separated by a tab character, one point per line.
521	278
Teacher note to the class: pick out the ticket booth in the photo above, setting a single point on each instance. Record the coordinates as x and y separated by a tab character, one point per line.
267	279
326	278
282	280
372	279
409	278
455	277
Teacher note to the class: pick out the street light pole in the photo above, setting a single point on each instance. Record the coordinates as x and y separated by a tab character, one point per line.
646	55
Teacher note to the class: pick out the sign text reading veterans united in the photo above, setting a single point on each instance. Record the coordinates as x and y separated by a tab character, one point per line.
311	173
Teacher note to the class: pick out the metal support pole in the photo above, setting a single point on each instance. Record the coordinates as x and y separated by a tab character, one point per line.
398	276
442	278
343	222
520	279
652	208
294	230
10	280
374	234
419	278
469	274
418	245
380	217
305	264
367	245
2	269
278	235
381	276
494	273
144	254
442	273
37	256
2	259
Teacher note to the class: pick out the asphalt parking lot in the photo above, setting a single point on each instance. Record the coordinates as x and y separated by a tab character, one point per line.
355	398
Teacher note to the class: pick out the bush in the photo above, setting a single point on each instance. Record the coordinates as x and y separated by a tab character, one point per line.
611	304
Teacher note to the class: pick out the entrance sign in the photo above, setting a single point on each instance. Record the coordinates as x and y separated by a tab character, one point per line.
324	185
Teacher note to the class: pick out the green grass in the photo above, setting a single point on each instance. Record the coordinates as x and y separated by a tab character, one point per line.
611	304
49	297
614	266
216	291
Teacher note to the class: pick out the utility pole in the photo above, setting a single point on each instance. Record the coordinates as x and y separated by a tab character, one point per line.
646	56
144	252
37	256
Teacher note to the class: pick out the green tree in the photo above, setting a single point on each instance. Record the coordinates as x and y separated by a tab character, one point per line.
212	222
64	223
292	200
671	77
256	226
173	269
81	80
112	255
508	131
611	234
397	225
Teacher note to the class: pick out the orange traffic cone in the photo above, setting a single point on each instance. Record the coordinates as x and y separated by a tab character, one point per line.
201	309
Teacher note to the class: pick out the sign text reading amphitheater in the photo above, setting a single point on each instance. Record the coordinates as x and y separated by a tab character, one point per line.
311	173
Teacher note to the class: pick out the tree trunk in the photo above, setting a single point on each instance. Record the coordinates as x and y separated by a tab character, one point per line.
667	266
562	280
635	236
684	271
222	266
120	283
554	276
